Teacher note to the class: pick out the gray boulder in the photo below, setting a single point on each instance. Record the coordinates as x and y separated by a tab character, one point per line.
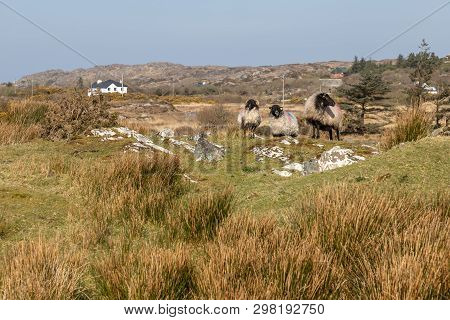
207	151
443	131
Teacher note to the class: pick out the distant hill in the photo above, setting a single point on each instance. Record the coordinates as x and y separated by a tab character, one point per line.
160	74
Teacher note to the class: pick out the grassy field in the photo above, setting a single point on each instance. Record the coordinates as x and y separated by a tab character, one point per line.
82	219
110	228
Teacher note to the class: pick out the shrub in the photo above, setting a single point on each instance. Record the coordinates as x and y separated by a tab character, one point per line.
148	273
184	131
214	117
42	270
74	113
411	125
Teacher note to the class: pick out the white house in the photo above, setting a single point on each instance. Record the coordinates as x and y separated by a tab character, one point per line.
108	86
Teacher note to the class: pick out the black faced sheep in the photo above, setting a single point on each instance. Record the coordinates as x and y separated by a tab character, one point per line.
322	113
249	118
282	123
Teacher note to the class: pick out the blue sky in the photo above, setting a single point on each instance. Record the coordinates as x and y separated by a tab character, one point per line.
225	32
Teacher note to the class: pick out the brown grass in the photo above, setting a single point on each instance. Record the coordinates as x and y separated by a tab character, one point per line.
26	112
254	258
144	273
20	122
372	245
200	217
214	117
41	269
4	227
411	125
131	188
16	133
382	245
184	131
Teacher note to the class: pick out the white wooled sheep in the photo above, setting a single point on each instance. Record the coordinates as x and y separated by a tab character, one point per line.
282	123
322	113
249	118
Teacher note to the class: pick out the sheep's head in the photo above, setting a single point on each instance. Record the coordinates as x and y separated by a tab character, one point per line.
251	104
323	100
276	111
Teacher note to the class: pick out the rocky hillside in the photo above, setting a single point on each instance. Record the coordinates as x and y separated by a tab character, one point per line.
161	74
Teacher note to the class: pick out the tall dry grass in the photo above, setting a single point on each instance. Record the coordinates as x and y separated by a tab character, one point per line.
20	122
256	258
26	112
201	215
41	269
411	125
16	133
144	273
382	245
372	245
130	189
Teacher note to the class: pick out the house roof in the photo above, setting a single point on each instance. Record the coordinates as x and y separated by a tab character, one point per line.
106	84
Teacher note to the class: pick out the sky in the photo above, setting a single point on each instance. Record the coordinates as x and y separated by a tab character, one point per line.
213	32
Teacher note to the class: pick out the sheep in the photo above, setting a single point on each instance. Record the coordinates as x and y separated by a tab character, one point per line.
249	118
282	123
322	113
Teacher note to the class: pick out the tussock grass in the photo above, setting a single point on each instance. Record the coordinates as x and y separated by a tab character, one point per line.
255	258
11	133
131	189
21	120
144	273
26	112
411	125
202	215
41	269
382	245
4	227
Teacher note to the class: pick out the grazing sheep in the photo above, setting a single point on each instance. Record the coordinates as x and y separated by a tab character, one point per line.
322	113
282	123
249	118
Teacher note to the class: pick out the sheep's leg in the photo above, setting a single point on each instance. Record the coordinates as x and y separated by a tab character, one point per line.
313	130
330	131
338	135
317	131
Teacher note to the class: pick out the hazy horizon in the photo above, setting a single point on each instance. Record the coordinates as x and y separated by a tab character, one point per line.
232	34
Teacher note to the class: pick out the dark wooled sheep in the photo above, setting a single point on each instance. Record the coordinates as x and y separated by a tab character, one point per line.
322	113
249	118
282	123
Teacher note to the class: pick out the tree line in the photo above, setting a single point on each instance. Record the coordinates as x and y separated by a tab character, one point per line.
371	86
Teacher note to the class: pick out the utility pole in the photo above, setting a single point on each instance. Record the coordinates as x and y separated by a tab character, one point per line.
32	89
15	87
122	85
